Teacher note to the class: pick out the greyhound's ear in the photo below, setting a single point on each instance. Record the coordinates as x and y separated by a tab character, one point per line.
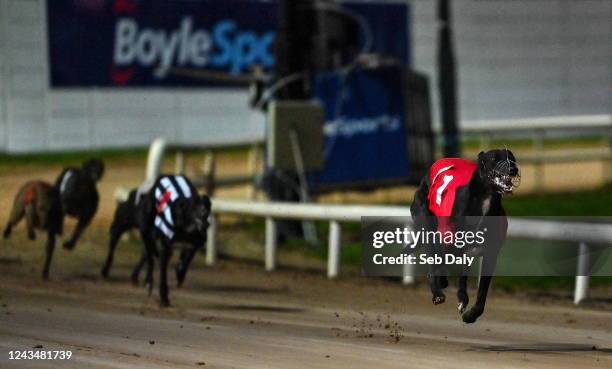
481	160
206	202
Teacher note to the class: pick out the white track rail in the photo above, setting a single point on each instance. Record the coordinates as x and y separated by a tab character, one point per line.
581	233
531	126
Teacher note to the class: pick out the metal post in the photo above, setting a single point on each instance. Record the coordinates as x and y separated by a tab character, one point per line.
211	244
179	163
409	270
270	250
408	274
333	257
538	148
447	81
253	160
210	169
608	161
581	289
293	33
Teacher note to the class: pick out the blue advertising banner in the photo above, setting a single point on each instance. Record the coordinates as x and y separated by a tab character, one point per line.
169	43
365	134
158	42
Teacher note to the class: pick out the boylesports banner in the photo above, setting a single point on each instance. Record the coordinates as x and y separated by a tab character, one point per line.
158	42
169	43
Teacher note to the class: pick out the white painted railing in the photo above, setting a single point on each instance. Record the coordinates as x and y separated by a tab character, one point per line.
597	122
538	129
272	211
335	214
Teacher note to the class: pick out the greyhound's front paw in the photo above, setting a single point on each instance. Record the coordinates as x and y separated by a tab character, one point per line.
69	245
471	315
438	299
461	307
164	303
31	236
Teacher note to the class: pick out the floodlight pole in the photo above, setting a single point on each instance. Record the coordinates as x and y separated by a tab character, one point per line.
292	42
292	45
447	83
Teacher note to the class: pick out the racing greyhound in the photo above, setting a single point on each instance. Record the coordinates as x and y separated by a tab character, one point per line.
455	191
168	213
39	203
79	195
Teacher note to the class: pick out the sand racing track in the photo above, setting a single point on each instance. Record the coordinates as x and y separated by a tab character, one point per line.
237	316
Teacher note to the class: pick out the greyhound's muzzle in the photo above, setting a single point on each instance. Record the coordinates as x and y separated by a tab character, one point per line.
506	176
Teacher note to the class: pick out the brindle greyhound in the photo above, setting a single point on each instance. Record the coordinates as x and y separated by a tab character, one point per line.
495	173
39	203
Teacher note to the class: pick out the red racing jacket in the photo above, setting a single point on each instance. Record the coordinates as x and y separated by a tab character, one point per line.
446	176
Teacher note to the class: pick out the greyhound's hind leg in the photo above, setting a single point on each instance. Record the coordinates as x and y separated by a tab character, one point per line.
477	309
164	258
13	220
31	220
16	215
49	254
117	229
138	268
488	267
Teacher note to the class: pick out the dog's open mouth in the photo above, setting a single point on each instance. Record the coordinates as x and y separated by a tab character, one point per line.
506	184
506	176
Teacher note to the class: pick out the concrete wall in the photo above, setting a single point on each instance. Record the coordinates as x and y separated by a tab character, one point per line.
524	58
519	58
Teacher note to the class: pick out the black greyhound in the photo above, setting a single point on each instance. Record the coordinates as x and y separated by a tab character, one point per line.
79	196
127	218
494	174
169	213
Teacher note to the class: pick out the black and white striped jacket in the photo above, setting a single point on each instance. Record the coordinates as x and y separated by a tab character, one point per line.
166	190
